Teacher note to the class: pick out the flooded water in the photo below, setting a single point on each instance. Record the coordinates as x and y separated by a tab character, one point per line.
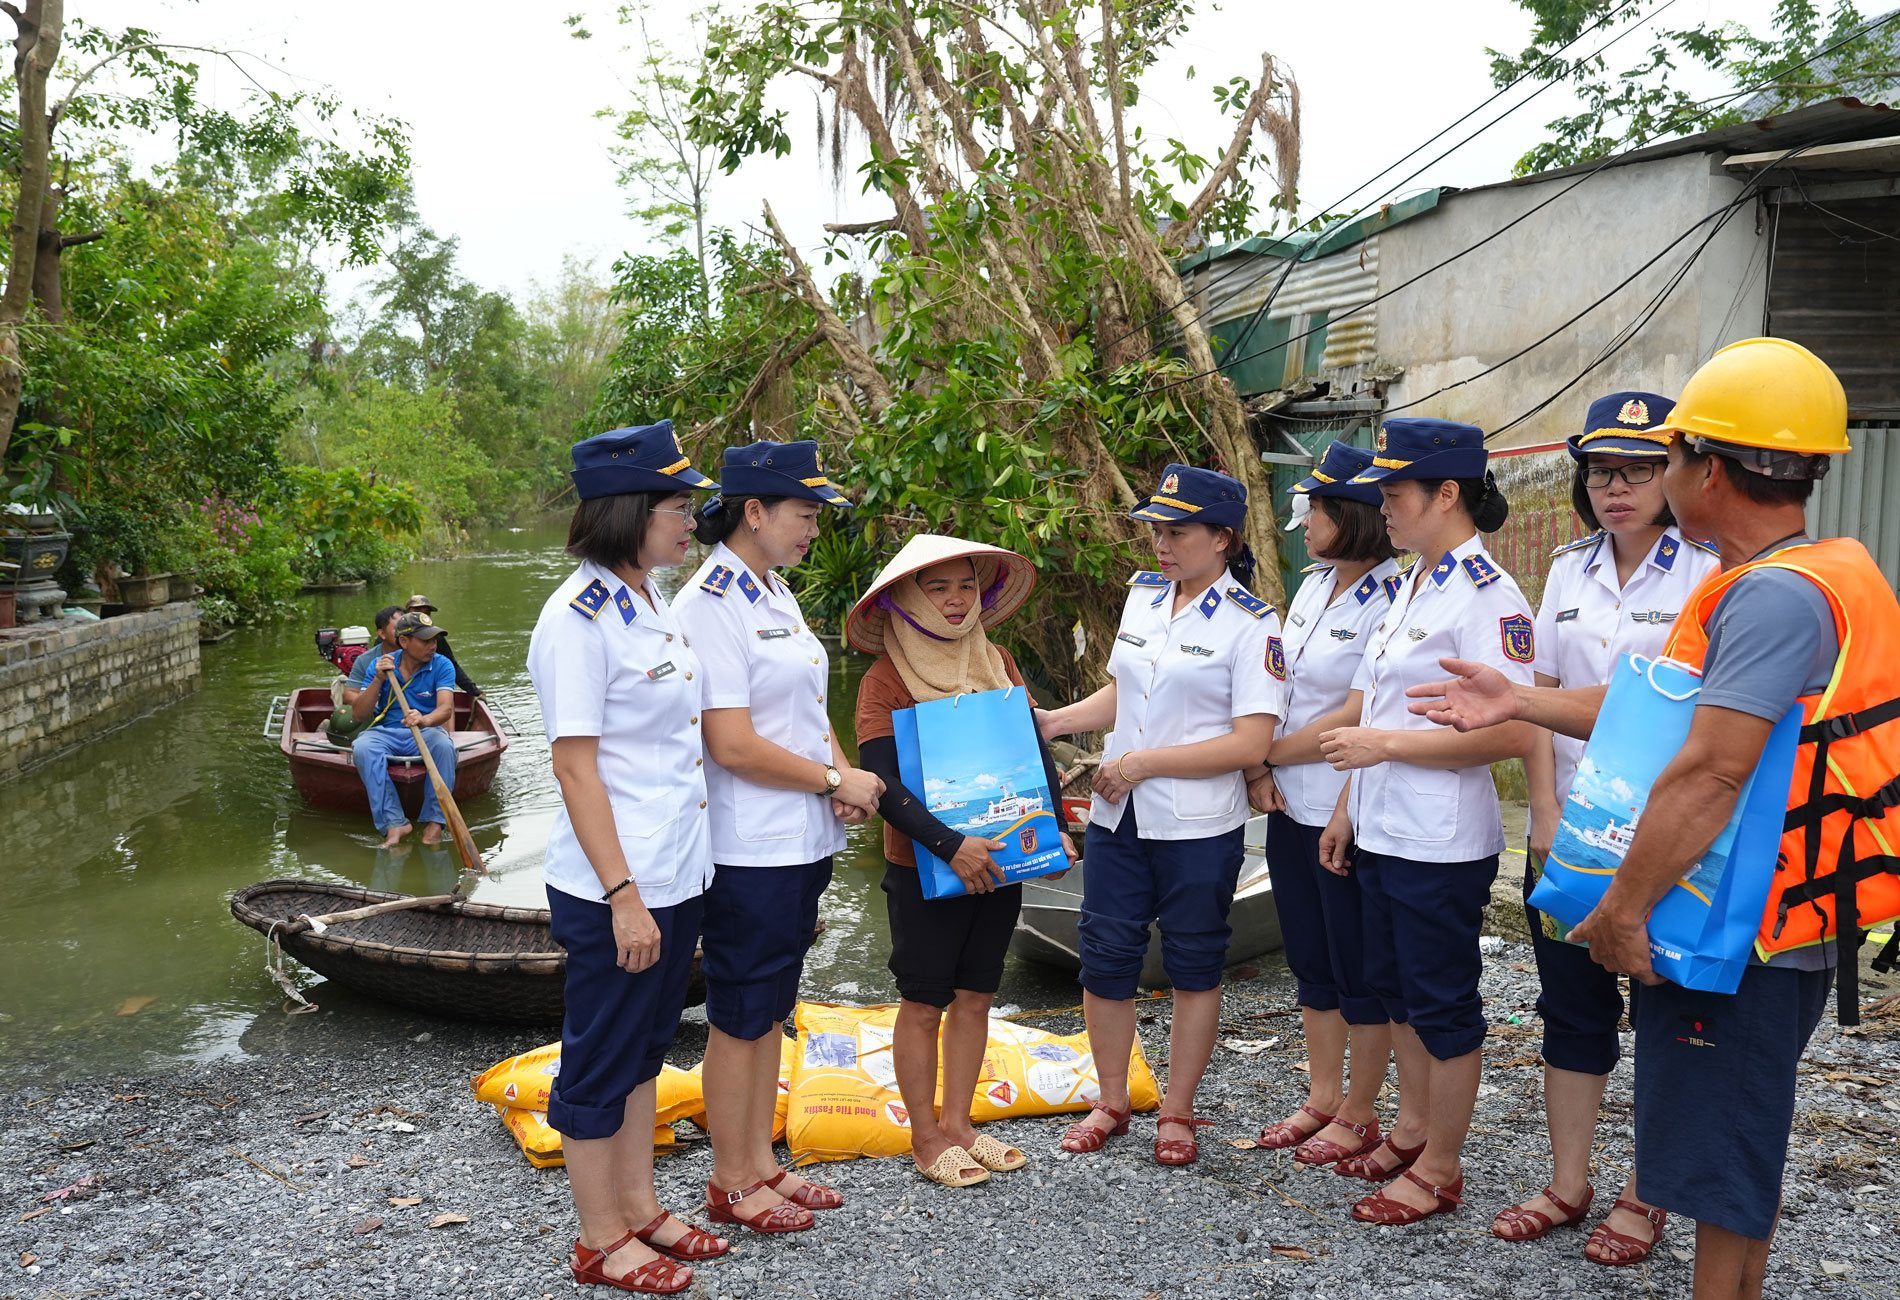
117	945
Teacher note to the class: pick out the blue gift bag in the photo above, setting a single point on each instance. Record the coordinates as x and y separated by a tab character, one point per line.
974	761
1703	929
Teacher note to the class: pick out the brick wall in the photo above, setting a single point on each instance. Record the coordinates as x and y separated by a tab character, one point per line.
72	681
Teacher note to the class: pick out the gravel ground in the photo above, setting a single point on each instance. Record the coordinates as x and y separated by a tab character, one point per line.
276	1176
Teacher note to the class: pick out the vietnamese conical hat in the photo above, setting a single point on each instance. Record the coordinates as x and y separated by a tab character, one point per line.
1006	578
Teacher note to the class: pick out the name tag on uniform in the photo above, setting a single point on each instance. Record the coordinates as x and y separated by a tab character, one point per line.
664	670
773	633
1417	633
1199	651
1567	615
1131	638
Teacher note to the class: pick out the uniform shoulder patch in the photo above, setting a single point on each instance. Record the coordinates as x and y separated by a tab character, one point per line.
1316	567
1393	585
1518	635
1578	545
1248	601
1276	658
1704	547
1482	572
591	600
719	581
1148	578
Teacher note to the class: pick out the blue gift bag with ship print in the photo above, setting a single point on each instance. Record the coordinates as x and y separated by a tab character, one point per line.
974	761
1702	931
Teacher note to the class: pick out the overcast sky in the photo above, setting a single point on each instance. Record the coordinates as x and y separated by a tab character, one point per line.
509	156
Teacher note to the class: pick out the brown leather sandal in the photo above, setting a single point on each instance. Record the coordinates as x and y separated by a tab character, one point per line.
1082	1137
1288	1133
813	1196
1317	1150
783	1217
1626	1249
1535	1223
655	1277
1179	1151
690	1246
1366	1164
1380	1208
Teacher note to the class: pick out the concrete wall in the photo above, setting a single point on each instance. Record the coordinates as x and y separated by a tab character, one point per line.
1474	313
75	681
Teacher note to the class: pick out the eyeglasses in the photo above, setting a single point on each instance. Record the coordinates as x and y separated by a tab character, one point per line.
1599	476
669	510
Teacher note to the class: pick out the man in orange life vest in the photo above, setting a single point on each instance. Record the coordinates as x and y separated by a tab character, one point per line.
1787	619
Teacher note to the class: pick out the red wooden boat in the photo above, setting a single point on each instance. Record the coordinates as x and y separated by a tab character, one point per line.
326	777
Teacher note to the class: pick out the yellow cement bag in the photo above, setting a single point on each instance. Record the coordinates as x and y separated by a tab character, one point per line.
542	1145
787	1052
525	1082
844	1099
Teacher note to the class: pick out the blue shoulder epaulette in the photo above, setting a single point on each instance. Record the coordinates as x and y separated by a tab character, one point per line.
1578	545
1248	601
1702	546
1316	567
1481	571
718	580
1148	578
1393	585
592	600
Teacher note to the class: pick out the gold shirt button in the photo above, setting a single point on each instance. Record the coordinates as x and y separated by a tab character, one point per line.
669	636
694	720
702	803
698	761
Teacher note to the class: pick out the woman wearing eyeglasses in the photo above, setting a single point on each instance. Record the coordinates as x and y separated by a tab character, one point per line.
1613	593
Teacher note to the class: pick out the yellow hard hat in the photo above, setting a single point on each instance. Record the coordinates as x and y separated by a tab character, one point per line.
1769	394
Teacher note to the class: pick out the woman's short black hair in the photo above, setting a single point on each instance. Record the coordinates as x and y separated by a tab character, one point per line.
1580	502
1482	499
608	530
712	529
1362	534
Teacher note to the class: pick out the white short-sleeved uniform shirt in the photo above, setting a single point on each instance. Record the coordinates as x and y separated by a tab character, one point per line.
1587	623
1185	677
1327	631
760	654
606	663
1463	606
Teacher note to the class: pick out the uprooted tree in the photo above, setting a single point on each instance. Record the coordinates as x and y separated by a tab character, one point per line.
1018	354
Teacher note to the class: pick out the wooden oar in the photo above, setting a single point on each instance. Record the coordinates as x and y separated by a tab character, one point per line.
458	829
318	924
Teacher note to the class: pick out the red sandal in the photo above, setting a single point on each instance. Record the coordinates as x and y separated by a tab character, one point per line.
1366	1165
1317	1150
690	1246
783	1217
1539	1223
1286	1133
655	1277
813	1196
1380	1208
1179	1151
1627	1249
1082	1137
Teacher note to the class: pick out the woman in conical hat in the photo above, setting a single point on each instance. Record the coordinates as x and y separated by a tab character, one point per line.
927	617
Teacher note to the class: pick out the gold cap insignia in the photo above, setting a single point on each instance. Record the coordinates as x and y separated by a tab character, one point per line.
1379	443
1170	485
1633	412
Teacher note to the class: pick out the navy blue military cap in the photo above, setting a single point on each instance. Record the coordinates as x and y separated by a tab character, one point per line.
777	469
1419	448
1624	424
1334	475
646	458
1202	496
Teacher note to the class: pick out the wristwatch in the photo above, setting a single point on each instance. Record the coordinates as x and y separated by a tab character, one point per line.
833	779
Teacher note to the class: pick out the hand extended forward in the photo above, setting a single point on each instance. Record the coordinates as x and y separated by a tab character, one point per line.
1476	695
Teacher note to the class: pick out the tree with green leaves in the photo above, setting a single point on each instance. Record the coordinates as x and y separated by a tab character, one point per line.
1022	345
1809	52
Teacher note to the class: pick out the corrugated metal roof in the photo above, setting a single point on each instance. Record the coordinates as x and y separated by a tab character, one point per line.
1855	499
1331	285
1317	244
1829	120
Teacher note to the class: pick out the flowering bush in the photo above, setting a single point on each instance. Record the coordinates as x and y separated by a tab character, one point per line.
242	557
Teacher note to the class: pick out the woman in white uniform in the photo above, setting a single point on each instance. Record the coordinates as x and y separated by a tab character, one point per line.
1194	695
775	775
1420	806
1340	604
1616	592
629	858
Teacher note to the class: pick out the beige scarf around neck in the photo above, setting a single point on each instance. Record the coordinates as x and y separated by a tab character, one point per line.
935	657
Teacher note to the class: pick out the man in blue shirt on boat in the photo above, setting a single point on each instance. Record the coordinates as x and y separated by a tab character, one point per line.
428	687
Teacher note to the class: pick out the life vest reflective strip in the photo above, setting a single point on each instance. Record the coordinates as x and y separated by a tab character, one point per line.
1846	769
